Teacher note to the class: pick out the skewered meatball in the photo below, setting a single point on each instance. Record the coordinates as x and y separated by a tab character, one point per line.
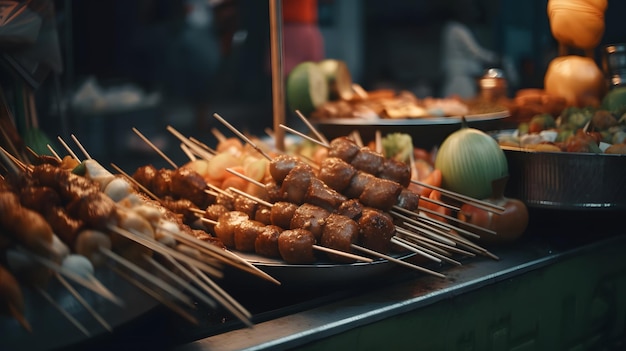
351	208
368	161
396	171
358	183
225	227
343	148
39	198
161	182
311	218
322	195
408	200
282	212
273	191
225	200
376	228
66	227
380	193
97	210
296	246
263	214
213	212
245	205
266	243
189	184
296	183
281	165
245	234
336	173
145	175
182	207
339	233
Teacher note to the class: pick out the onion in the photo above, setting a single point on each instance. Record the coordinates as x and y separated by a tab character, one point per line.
577	79
469	160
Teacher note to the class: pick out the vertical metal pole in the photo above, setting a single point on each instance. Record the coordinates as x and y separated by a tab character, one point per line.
278	82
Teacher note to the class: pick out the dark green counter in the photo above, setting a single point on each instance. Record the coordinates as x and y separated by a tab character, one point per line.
559	293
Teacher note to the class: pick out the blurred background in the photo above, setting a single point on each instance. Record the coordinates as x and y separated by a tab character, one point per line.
153	63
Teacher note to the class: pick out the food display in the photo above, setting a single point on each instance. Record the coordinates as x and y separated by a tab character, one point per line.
324	90
339	206
76	222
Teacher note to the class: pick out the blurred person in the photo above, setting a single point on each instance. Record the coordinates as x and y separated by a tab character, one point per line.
463	58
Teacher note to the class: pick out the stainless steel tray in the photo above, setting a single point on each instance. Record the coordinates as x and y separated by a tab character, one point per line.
426	132
567	180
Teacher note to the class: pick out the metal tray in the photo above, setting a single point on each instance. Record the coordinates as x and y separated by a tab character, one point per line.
323	272
567	181
426	132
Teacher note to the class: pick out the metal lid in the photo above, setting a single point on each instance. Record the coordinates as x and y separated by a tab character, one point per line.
494	73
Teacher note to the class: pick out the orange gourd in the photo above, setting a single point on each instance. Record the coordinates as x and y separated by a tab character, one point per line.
577	23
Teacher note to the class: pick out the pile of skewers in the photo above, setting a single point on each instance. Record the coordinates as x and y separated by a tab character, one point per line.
353	201
64	220
354	206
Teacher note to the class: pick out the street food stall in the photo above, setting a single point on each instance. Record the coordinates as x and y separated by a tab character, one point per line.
383	219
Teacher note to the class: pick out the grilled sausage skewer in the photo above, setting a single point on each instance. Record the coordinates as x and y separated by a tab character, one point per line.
334	221
296	245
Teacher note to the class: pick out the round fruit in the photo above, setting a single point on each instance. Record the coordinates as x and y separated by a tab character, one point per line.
338	77
307	87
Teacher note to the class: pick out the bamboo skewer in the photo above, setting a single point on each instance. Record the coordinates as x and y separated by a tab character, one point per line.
243	316
90	282
84	303
162	249
434	244
316	247
68	149
242	136
165	302
149	277
233	306
178	280
224	256
193	146
420	217
302	135
422	251
306	121
398	261
190	155
450	218
408	245
234	259
65	314
467	199
53	152
80	146
354	246
154	147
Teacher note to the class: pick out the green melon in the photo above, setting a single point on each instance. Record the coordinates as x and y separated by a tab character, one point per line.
338	77
307	87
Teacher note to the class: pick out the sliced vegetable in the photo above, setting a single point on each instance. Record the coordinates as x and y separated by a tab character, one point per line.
338	77
307	87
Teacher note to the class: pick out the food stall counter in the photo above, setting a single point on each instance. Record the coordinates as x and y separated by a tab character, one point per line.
558	292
